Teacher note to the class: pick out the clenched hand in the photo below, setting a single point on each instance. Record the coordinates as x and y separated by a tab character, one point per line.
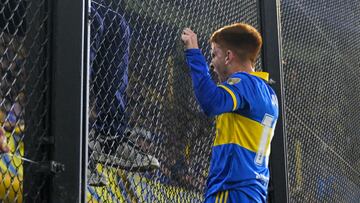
189	38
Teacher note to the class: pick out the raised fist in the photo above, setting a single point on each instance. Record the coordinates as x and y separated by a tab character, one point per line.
189	38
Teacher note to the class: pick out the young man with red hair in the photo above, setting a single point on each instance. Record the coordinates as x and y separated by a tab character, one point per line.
246	111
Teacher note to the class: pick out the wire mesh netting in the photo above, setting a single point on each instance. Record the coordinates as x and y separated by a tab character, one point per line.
24	101
321	43
148	139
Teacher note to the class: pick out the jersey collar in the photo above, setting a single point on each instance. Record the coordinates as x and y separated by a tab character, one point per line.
262	75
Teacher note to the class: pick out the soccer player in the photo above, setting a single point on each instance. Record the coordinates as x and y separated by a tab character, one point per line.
246	111
109	141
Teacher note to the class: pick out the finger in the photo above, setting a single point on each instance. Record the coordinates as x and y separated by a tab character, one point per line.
184	33
187	31
185	36
190	31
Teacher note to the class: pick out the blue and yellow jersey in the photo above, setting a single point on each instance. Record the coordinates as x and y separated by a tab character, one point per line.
246	111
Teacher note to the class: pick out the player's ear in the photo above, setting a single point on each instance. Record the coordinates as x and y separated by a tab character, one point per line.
229	56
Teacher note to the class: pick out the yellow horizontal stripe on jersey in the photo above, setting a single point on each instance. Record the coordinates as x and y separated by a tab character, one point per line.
232	95
232	128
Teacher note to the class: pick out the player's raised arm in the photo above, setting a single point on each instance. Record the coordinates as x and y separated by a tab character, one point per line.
213	99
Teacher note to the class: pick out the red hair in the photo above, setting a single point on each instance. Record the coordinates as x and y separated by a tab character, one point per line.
243	39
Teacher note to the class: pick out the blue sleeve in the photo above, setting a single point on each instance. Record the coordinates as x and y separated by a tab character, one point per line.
213	99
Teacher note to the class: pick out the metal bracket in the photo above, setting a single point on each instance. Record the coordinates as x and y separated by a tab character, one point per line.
44	166
271	82
51	166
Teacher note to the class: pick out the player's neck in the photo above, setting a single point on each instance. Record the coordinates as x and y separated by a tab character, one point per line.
248	68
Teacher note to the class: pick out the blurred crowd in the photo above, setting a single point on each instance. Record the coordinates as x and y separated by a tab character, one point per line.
12	83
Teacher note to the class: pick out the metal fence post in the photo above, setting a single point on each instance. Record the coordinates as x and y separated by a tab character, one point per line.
271	29
69	99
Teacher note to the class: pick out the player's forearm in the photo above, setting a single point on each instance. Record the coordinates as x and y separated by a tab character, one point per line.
212	99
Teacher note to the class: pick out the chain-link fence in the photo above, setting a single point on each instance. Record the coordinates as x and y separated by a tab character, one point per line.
24	97
148	140
321	43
